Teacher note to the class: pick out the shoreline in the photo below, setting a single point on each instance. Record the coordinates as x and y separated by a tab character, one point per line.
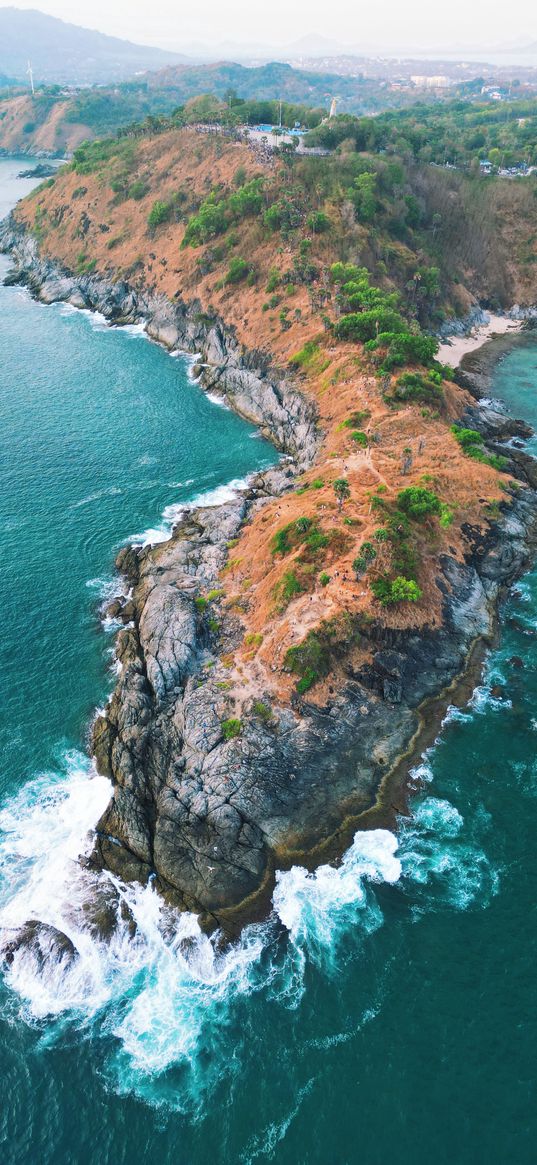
453	351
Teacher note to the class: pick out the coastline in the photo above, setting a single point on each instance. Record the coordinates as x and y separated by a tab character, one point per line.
365	794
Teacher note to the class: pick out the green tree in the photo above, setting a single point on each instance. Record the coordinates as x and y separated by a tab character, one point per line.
342	490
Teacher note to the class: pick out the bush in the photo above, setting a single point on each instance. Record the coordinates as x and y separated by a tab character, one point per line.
262	710
366	325
211	220
292	535
413	386
138	190
418	503
160	212
318	222
310	359
403	347
231	728
307	681
273	280
360	437
356	418
238	270
471	442
397	590
308	659
324	578
287	589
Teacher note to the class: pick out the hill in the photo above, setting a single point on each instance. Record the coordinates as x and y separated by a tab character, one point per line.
58	122
67	54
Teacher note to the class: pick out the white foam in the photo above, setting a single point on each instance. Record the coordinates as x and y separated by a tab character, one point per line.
137	331
482	700
166	995
440	863
316	907
217	400
172	514
110	492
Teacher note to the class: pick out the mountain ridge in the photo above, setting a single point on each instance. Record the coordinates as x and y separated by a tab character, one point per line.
67	53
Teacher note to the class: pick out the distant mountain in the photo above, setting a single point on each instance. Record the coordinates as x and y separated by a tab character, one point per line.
66	54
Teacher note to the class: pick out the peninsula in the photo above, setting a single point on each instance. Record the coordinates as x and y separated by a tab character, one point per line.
282	654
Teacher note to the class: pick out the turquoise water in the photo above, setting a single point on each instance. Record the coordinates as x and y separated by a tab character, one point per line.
386	1012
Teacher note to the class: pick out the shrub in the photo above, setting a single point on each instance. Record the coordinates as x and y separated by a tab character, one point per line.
471	442
211	220
366	325
273	280
138	190
238	270
262	710
403	347
310	359
417	503
397	590
287	589
413	386
308	659
318	222
253	639
356	419
231	728
160	212
324	578
360	437
291	535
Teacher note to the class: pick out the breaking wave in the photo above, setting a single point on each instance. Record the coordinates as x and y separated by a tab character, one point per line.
172	514
160	991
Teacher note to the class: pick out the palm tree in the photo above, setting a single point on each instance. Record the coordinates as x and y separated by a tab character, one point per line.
342	490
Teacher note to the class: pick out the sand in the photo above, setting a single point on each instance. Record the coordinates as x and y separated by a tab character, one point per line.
451	352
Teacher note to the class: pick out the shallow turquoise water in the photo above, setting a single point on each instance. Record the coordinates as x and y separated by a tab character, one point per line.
386	1013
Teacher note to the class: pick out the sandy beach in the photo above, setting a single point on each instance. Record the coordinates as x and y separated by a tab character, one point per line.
452	351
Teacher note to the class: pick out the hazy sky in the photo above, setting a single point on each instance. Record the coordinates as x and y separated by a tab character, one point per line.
172	23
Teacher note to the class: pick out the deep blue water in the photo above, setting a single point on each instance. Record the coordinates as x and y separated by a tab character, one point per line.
386	1012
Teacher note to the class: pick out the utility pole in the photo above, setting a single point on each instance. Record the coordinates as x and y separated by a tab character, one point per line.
31	76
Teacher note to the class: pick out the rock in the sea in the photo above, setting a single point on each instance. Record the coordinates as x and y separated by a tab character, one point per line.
45	943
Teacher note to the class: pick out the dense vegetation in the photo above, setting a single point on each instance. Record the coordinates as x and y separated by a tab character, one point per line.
456	132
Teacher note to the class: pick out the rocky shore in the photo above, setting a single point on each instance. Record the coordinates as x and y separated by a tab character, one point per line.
210	814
